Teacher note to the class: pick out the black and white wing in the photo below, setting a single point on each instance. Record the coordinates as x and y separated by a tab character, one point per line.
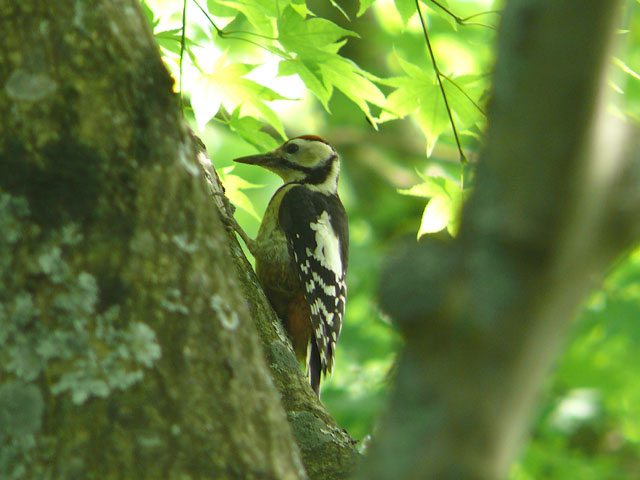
316	228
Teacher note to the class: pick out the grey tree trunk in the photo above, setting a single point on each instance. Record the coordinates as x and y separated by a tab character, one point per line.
127	347
557	197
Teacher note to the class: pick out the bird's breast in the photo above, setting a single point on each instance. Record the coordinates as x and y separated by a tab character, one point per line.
274	266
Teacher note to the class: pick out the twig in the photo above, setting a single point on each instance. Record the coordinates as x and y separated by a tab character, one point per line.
465	20
463	158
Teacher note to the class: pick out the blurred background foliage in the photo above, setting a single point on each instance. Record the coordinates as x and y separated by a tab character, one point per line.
251	73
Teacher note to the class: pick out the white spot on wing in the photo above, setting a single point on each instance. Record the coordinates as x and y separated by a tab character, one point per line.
329	290
327	250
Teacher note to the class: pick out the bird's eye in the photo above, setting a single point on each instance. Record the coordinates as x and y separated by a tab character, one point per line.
292	148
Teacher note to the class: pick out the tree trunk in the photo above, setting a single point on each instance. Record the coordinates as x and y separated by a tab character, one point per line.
126	346
557	197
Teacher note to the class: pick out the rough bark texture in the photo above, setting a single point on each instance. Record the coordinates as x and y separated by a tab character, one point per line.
556	200
127	349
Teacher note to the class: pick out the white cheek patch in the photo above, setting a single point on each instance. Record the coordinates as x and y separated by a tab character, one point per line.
314	153
327	250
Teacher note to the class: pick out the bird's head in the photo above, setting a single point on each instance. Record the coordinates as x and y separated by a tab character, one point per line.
308	160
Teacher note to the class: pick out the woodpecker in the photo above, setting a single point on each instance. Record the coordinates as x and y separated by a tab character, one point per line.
301	251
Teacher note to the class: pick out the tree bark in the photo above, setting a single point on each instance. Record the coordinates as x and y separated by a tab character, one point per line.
556	200
127	348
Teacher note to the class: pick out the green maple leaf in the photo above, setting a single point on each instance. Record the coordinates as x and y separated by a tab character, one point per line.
308	37
364	6
310	76
315	43
419	94
250	129
351	80
444	207
261	14
225	85
233	186
406	9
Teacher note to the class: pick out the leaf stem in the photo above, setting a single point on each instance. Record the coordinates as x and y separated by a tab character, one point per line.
463	158
222	34
465	20
468	97
218	31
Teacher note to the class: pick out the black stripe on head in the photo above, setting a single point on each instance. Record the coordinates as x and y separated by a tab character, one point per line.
294	166
314	176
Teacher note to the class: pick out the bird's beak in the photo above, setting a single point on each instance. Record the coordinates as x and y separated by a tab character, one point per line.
263	159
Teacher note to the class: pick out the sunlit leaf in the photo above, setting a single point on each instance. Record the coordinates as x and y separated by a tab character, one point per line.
436	215
347	77
260	14
225	85
217	8
249	128
445	206
236	182
450	19
364	6
310	79
431	187
171	40
402	101
419	94
233	189
299	6
406	9
307	37
432	117
242	201
463	99
316	41
148	13
457	197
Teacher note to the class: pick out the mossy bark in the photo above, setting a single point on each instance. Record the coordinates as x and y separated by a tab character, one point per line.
123	325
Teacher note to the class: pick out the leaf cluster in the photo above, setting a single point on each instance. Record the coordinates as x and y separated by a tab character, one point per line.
223	86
